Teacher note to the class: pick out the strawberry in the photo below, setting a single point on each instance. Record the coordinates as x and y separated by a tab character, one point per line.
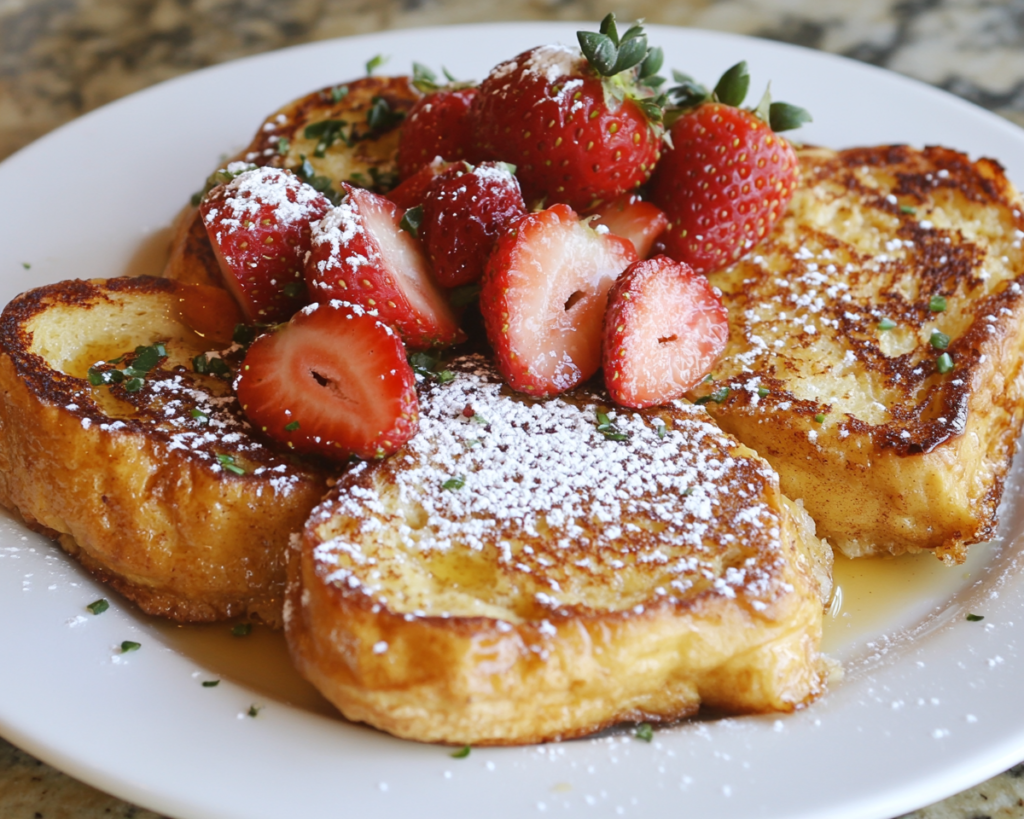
632	218
580	127
333	381
438	124
664	329
410	193
543	298
728	177
361	254
464	210
259	227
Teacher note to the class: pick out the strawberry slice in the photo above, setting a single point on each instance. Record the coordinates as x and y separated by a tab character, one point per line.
412	191
334	381
259	226
360	254
664	330
438	125
632	218
543	297
464	211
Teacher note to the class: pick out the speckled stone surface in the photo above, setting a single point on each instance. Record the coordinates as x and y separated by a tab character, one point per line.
61	58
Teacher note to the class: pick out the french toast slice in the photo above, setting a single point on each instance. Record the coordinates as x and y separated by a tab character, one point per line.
343	133
156	484
528	570
875	347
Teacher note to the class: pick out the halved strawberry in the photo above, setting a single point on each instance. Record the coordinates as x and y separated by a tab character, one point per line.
360	254
543	298
410	193
664	330
334	381
438	125
464	211
259	226
632	218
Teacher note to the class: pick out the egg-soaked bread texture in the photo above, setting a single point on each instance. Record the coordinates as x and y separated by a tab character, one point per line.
523	572
343	133
875	344
163	492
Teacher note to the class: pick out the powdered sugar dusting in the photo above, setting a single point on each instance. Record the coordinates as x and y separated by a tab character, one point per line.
534	491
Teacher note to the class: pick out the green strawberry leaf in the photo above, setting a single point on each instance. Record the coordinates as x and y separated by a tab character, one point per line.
636	30
423	79
763	110
732	88
411	221
688	94
631	52
652	64
785	117
609	29
600	51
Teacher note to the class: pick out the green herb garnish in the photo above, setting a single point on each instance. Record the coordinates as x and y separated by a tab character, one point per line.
241	629
445	376
338	93
307	173
454	483
820	418
254	710
608	429
937	304
228	463
26	265
328	131
644	731
204	365
291	427
283	146
200	416
944	363
886	324
908	209
763	392
940	341
381	117
461	753
411	221
98	606
375	62
211	683
974	618
718	396
130	645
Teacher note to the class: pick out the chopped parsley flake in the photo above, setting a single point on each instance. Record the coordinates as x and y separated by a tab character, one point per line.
718	396
445	376
461	753
662	430
381	117
254	710
763	392
210	366
98	606
26	265
608	429
908	209
130	645
937	304
291	427
454	483
974	618
644	731
375	62
411	221
211	683
338	93
283	146
886	324
228	463
200	416
820	418
241	629
944	363
940	341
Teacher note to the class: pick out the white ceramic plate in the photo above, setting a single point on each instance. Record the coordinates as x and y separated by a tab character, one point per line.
930	704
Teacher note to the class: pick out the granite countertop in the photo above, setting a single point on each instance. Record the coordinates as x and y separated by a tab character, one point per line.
61	58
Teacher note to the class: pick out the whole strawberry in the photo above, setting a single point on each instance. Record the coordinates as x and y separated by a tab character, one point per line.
728	176
464	211
580	127
438	124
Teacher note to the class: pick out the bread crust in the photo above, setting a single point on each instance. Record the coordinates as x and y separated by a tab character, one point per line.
131	484
484	628
888	453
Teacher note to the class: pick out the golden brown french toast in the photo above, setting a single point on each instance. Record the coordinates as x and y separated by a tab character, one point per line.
529	570
116	443
343	133
875	347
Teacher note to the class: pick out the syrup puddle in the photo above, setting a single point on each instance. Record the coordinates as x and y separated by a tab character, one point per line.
879	596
